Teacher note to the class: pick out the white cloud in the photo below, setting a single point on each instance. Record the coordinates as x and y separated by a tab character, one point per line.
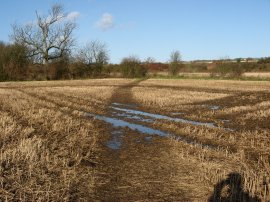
106	22
73	15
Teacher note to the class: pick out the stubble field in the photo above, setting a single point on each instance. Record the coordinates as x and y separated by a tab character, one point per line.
135	140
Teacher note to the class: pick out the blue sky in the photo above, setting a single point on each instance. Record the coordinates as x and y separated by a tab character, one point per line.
199	29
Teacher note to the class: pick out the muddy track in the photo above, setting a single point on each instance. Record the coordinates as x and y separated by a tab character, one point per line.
74	104
139	170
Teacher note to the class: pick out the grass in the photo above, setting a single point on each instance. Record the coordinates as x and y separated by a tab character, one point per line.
248	77
41	153
245	104
51	152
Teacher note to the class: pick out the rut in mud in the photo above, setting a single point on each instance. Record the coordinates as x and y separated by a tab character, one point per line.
137	160
130	169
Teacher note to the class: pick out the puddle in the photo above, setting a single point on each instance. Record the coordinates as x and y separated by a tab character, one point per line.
116	142
212	107
148	139
120	123
133	117
177	113
127	105
118	112
225	120
158	116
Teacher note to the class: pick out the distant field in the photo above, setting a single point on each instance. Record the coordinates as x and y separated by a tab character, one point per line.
205	74
135	140
258	74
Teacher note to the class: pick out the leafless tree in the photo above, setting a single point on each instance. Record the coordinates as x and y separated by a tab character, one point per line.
48	37
94	52
175	63
175	57
150	60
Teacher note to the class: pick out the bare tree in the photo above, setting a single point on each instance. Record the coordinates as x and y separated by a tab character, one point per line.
95	55
175	63
94	52
47	38
175	57
150	60
132	67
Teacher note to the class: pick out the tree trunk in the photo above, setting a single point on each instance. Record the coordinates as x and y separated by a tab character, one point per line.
46	65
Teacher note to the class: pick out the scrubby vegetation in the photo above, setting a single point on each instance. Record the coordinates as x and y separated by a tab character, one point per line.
227	69
13	62
92	61
131	67
175	63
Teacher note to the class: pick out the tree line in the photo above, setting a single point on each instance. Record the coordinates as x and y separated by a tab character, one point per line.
45	49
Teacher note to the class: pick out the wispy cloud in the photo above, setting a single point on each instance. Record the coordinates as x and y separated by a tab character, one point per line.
73	15
106	22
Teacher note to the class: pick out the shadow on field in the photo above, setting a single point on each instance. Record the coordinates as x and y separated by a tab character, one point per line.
138	171
231	189
123	94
